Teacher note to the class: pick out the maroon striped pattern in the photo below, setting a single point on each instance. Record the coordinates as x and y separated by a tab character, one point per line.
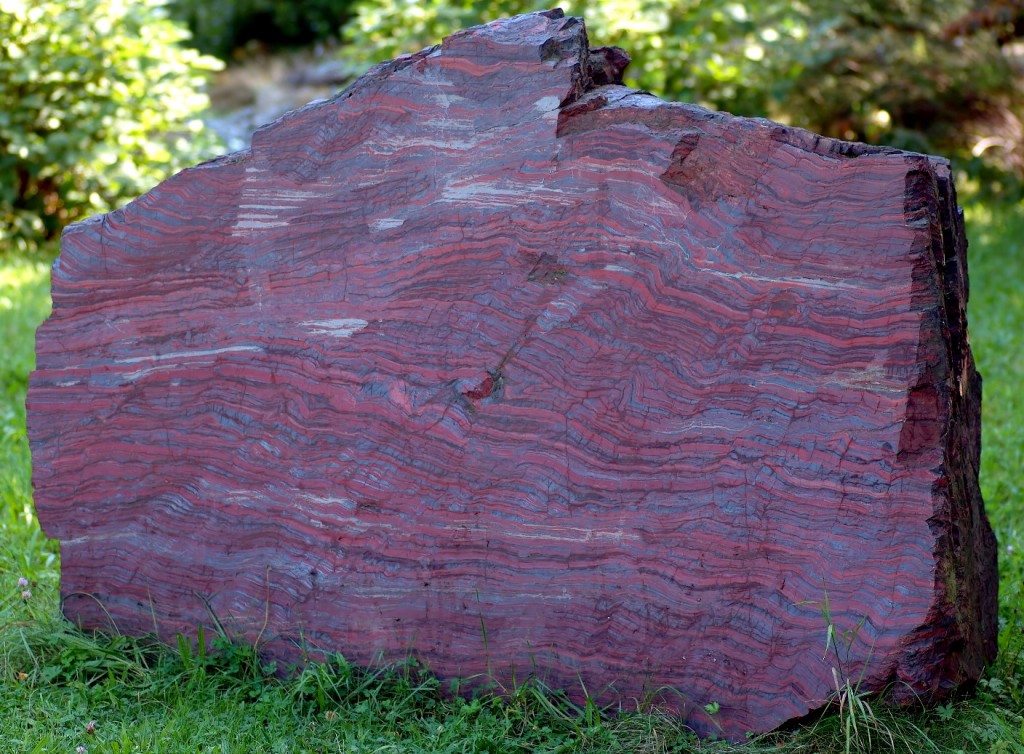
525	375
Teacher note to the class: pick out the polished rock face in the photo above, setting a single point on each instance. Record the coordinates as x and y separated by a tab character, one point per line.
495	361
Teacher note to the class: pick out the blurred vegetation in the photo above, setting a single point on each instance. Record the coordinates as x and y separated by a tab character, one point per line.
916	74
98	101
223	27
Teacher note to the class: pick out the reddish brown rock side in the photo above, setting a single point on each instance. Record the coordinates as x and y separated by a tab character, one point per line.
495	361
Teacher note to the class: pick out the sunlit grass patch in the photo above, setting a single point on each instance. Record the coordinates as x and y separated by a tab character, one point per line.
24	552
996	324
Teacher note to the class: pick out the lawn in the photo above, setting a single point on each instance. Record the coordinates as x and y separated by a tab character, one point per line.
62	691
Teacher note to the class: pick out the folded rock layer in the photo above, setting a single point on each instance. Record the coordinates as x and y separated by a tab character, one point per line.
494	361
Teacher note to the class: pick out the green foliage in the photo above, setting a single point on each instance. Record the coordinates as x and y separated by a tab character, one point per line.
24	552
890	73
997	334
220	27
97	103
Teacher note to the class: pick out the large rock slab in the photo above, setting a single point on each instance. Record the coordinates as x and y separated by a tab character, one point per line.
495	361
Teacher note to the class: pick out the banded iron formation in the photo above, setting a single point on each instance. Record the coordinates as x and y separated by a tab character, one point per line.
495	361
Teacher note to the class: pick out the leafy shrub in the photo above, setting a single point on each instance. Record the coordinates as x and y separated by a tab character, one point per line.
895	73
219	27
97	102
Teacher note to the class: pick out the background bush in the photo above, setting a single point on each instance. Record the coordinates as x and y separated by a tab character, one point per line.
98	102
220	27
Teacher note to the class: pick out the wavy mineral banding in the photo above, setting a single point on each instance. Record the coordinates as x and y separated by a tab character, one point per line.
492	360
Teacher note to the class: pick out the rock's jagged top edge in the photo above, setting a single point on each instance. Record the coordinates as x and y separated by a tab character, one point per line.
615	61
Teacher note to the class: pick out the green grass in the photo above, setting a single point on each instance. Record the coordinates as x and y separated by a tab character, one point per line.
148	698
24	303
